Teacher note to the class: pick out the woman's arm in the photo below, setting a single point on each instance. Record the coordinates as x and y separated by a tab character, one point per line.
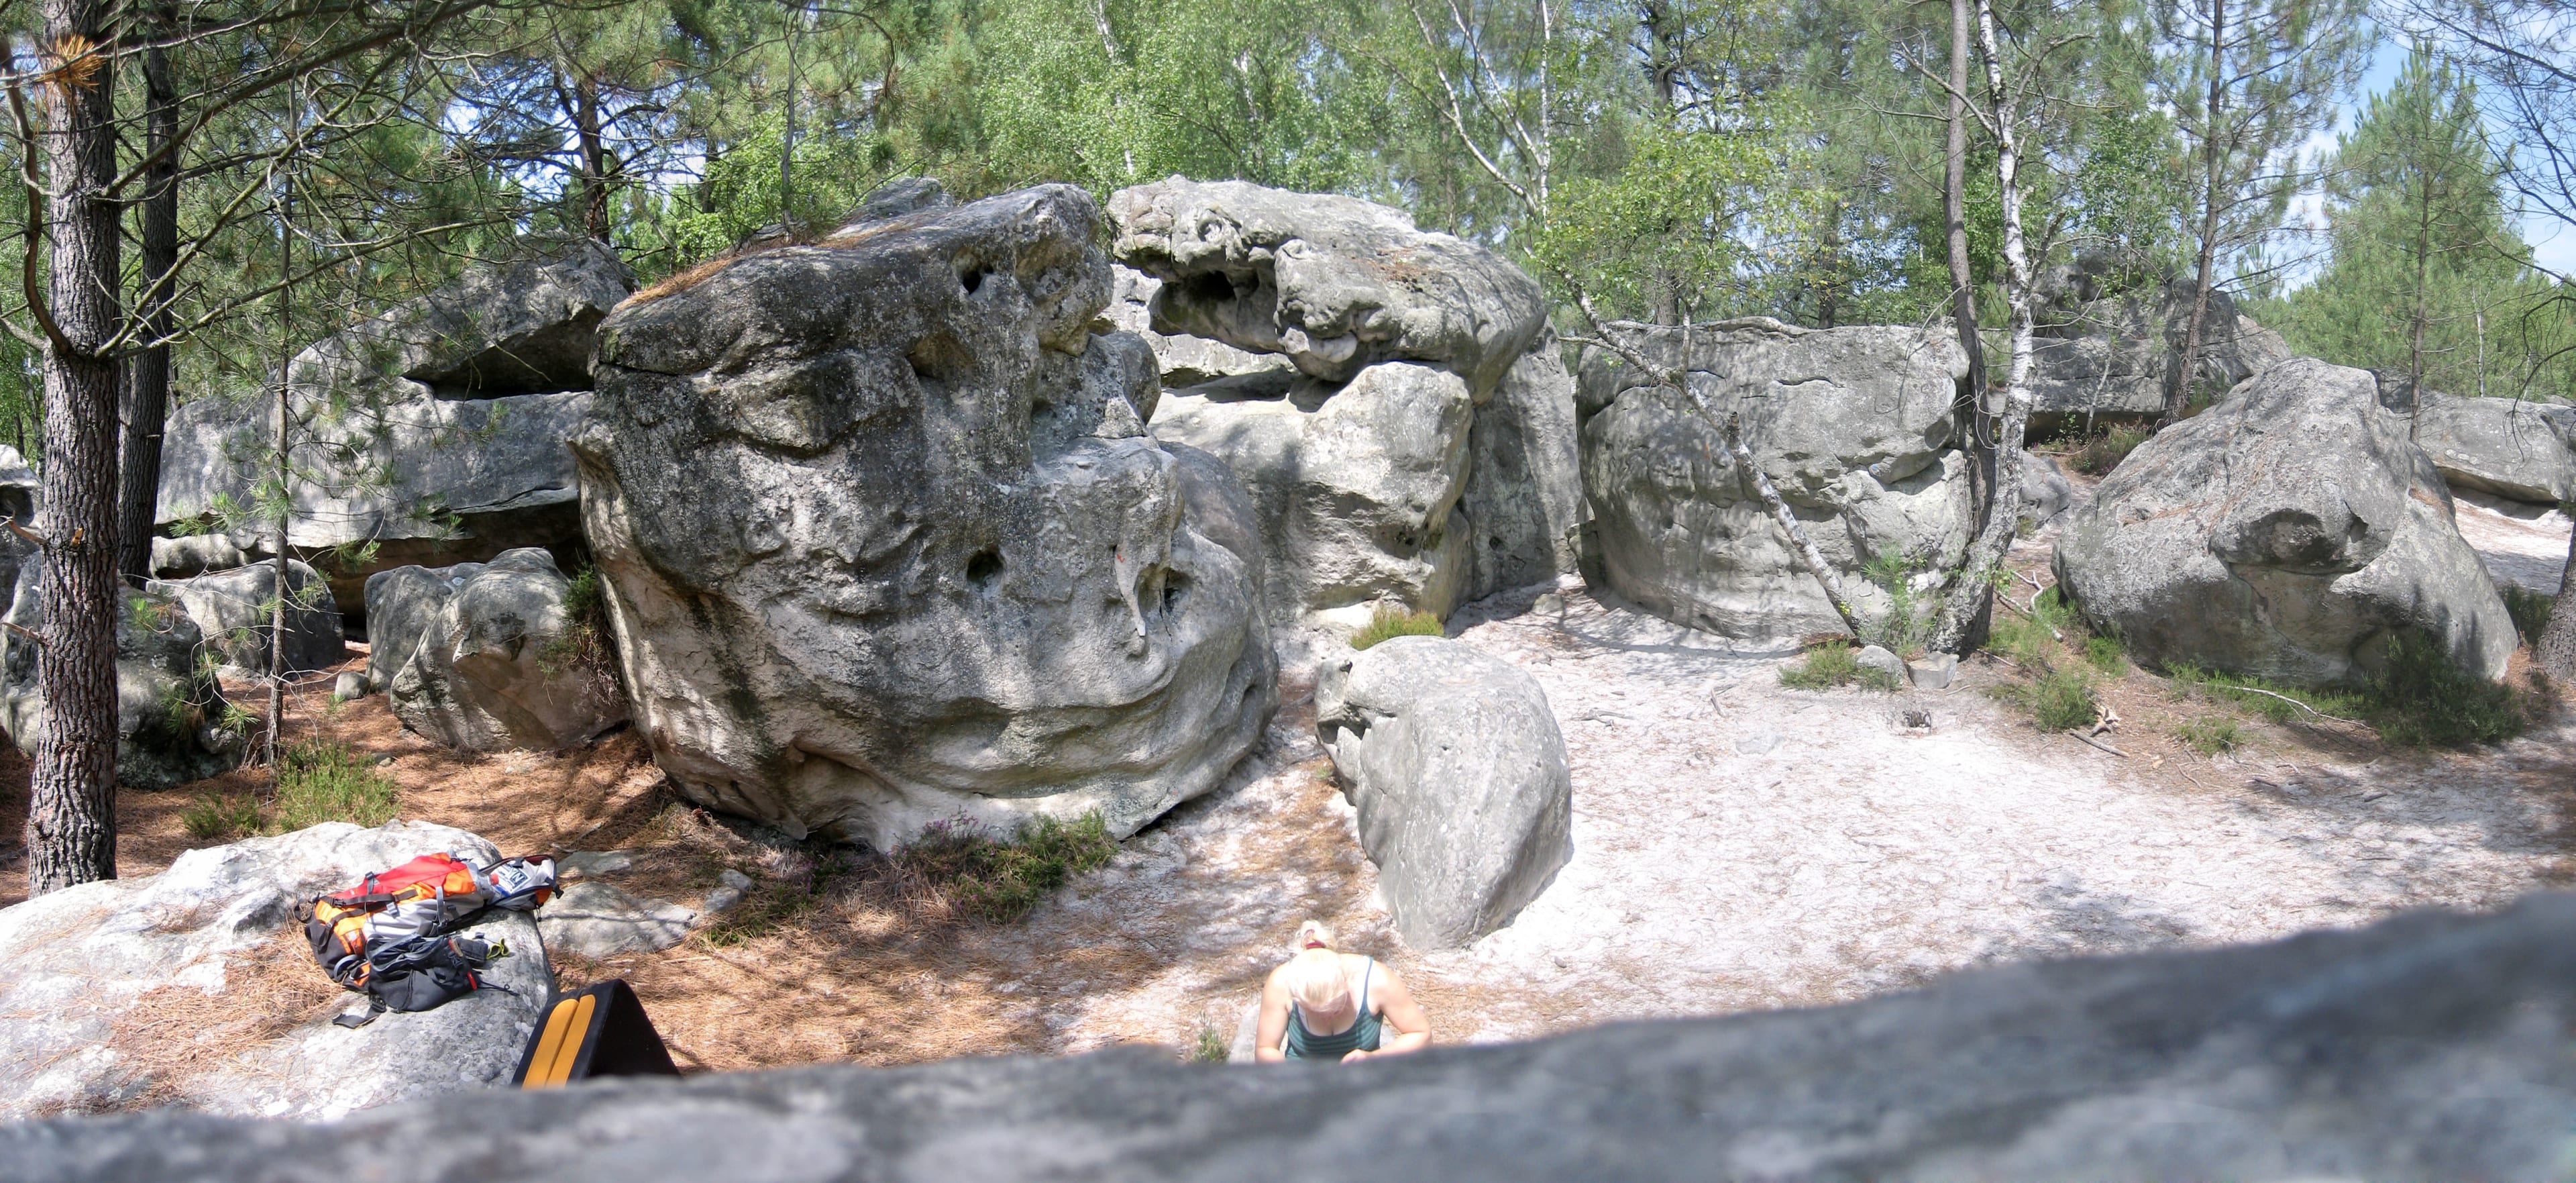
1397	1007
1268	1045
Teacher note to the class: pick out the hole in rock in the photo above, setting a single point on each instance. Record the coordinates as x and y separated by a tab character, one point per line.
1209	287
1175	590
970	275
938	358
982	569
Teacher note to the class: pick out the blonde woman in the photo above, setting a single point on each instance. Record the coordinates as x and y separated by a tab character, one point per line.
1329	1005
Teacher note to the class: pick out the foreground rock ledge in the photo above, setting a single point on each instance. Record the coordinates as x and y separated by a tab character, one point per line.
2429	1046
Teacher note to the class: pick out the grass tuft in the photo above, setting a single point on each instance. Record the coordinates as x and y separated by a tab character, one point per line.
1389	622
214	816
1212	1046
2529	609
2060	700
2210	735
323	781
2420	698
1832	664
996	879
2103	451
2106	655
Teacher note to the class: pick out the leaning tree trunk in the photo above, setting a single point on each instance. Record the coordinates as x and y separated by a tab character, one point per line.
2555	652
1971	597
147	393
71	808
2178	378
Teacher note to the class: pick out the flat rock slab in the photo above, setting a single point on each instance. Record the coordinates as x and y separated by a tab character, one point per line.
595	920
2430	1046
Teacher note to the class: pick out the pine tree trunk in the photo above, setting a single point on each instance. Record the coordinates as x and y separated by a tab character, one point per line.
147	394
2555	652
594	156
1963	290
71	810
2178	377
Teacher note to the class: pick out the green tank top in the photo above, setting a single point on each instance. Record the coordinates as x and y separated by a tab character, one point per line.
1362	1035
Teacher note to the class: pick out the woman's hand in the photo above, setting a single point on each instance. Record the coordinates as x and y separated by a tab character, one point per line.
1357	1054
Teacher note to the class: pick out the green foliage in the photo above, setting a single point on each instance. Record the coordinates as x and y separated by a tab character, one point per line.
2105	654
1831	664
584	647
323	781
2529	609
2060	700
2420	698
2099	453
1212	1046
1389	621
215	816
763	909
1907	623
2210	735
999	879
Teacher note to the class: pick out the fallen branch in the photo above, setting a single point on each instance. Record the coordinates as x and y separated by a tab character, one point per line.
2296	703
23	532
2089	740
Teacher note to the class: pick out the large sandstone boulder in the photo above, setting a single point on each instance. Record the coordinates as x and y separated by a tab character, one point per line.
2102	358
887	542
2430	1046
483	657
2290	532
1854	427
232	613
1454	761
1391	396
167	704
2514	448
448	415
194	987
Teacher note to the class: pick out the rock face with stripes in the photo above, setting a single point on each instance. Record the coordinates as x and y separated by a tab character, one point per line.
1390	396
887	542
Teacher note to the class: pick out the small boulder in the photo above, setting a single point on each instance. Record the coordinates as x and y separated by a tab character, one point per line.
2289	532
168	708
1455	763
1873	657
350	686
482	657
595	920
2045	491
194	987
231	609
2513	448
1934	671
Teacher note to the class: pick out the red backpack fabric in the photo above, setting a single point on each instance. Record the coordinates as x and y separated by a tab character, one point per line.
390	936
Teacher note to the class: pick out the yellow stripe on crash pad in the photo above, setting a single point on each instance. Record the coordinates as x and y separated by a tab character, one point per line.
561	1043
558	1019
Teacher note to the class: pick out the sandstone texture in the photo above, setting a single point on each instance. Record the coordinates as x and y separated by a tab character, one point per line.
483	657
1392	397
1852	425
2290	532
450	412
2513	448
2099	357
2433	1045
598	921
167	703
886	540
127	993
1455	764
231	611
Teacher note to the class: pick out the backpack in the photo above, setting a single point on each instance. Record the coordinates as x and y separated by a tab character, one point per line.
391	936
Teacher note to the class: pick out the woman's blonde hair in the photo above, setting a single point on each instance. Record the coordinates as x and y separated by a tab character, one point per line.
1314	975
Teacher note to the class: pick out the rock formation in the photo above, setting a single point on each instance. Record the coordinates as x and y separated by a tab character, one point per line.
2433	1046
482	657
2290	532
129	993
2516	449
1854	427
452	409
231	611
167	705
887	542
1455	764
2102	357
1391	397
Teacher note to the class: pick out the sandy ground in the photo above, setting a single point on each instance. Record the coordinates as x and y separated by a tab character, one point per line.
1738	845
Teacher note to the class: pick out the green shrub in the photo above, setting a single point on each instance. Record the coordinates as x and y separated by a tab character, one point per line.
1825	666
1213	1047
323	781
2104	450
1906	624
1389	621
2104	654
2061	700
2419	698
2019	638
214	816
2211	734
2529	609
998	879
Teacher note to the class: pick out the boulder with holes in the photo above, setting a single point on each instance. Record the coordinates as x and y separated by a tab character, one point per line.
449	415
2290	532
886	541
1852	425
1391	396
487	656
194	988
